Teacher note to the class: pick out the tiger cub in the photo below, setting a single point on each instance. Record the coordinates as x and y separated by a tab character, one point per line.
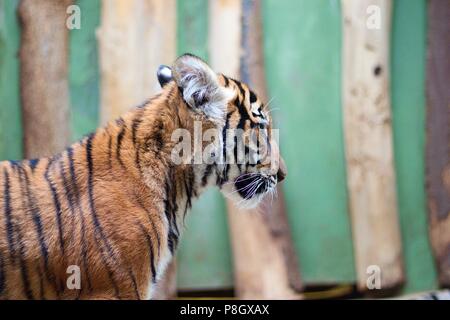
111	207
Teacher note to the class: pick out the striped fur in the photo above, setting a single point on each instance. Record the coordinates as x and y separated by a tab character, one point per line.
112	204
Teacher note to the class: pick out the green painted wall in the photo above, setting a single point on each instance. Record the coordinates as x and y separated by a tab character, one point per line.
303	61
204	258
84	76
10	111
408	57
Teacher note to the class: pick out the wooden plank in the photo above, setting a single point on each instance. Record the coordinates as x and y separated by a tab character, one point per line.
44	85
368	143
302	50
408	116
84	73
438	134
204	256
260	241
10	113
135	37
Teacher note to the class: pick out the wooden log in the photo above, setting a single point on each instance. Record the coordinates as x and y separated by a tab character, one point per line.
10	113
368	141
43	76
135	37
264	259
438	134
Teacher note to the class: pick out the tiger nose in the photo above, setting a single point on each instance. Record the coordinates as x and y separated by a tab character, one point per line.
282	170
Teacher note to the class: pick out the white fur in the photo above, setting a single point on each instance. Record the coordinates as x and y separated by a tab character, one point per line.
198	79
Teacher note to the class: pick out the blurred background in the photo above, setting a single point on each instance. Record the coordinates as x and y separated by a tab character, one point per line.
358	88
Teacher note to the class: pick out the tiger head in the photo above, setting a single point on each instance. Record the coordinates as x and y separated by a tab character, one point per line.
239	149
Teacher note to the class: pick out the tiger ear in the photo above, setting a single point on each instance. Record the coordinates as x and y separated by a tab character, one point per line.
200	87
164	75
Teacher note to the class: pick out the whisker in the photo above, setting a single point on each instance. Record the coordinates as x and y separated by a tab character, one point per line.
243	188
253	174
253	193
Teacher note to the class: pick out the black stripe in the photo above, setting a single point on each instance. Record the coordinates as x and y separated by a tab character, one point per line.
258	148
110	152
188	184
158	136
170	209
98	230
151	253
36	215
137	159
15	163
57	206
155	231
120	136
76	194
37	221
135	287
41	284
235	151
33	163
23	268
174	212
243	112
252	97
90	182
68	192
135	126
224	176
241	89
8	217
206	174
16	230
105	263
172	241
227	82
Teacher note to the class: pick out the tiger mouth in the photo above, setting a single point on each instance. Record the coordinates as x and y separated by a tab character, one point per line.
250	185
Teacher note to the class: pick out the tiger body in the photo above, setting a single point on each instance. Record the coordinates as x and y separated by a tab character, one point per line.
112	204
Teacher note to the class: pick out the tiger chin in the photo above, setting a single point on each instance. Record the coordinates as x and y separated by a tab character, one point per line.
102	219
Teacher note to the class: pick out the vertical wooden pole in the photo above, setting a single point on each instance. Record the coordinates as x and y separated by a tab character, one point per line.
438	134
135	37
43	76
368	141
264	259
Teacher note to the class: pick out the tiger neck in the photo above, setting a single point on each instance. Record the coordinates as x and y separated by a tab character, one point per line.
143	144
